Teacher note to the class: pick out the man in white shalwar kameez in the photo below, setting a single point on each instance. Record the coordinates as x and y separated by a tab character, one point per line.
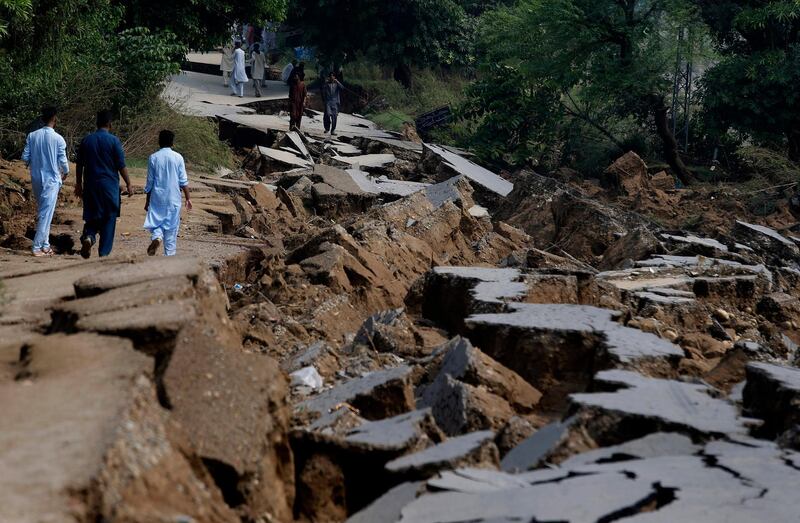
226	64
166	179
239	75
46	155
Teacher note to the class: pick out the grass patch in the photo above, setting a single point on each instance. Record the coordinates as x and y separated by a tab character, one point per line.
196	138
389	102
392	120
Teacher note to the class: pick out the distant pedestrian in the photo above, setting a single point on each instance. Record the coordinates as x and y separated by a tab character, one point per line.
239	75
227	64
166	179
297	97
331	98
100	163
258	65
46	155
287	71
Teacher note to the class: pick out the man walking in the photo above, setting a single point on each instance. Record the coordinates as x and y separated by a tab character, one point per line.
46	155
258	64
166	179
101	161
226	65
330	97
239	75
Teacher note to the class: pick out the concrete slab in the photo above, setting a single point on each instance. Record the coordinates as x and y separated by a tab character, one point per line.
481	176
447	455
687	406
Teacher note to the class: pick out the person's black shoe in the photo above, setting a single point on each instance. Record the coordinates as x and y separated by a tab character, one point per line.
86	247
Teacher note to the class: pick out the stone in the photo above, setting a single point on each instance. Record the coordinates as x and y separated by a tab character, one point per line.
306	377
475	449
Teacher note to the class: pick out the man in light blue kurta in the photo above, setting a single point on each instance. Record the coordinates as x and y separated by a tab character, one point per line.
166	178
46	155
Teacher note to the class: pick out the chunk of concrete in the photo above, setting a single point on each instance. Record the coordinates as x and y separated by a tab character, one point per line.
481	176
130	274
772	393
415	430
66	314
663	405
465	363
84	438
768	241
459	407
473	449
233	406
376	395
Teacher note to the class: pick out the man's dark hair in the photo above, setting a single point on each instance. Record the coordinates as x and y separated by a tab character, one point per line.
48	113
294	63
104	119
166	138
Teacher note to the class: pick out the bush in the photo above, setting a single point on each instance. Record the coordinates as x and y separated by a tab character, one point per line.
196	138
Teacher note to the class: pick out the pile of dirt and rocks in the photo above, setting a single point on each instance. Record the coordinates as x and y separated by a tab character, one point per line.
402	335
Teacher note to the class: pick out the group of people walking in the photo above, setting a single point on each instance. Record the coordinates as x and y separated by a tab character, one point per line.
234	74
100	163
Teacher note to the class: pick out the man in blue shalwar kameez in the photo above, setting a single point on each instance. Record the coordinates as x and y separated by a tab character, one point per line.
100	163
46	154
166	179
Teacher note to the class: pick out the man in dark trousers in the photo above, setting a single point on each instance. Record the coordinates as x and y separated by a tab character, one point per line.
331	91
100	163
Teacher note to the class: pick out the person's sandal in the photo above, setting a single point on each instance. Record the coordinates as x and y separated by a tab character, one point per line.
153	248
86	248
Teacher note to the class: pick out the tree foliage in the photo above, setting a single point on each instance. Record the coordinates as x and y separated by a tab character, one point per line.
200	24
755	87
597	61
10	10
69	54
396	34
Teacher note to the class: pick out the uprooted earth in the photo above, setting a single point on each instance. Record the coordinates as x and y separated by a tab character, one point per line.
377	330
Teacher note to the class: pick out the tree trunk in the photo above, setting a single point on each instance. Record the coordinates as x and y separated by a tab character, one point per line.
402	74
671	154
794	145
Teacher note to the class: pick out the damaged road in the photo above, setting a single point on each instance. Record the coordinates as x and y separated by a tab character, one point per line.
386	331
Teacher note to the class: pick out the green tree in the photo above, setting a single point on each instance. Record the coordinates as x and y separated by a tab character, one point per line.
755	87
598	61
200	24
395	34
13	10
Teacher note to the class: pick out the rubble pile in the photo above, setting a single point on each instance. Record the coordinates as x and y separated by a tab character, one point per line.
410	337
